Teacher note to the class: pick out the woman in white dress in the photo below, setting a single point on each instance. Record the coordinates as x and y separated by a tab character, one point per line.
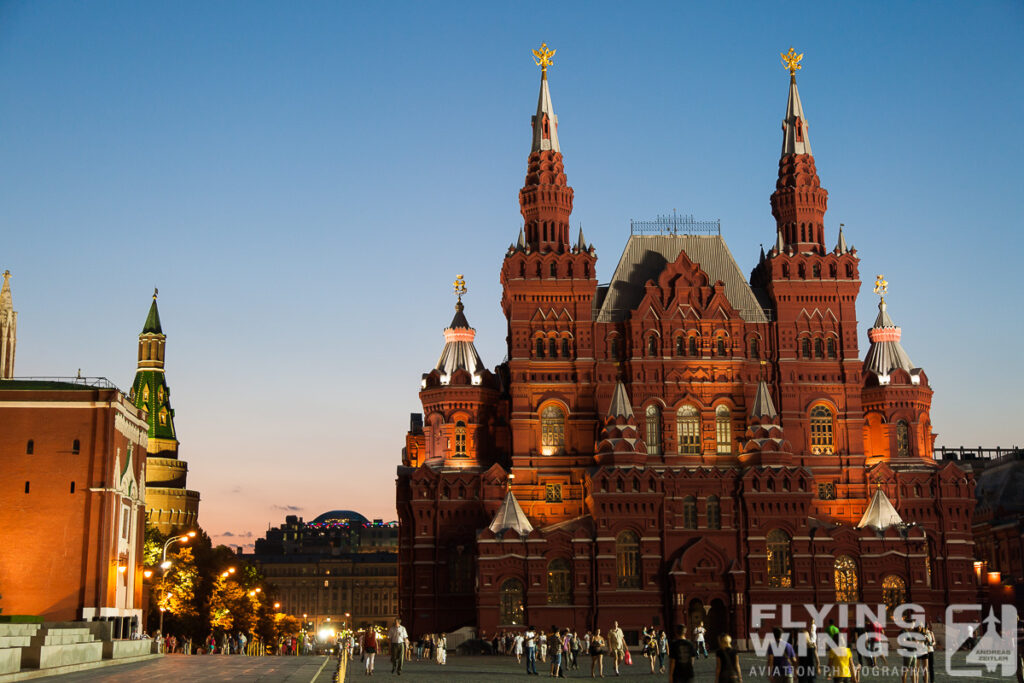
518	648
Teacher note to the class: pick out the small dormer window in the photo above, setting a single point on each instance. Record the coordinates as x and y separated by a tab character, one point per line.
799	126
546	127
145	393
160	394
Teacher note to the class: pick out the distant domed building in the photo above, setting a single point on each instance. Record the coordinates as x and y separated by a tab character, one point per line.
682	442
340	563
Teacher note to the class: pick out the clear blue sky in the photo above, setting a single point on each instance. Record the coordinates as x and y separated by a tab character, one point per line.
303	181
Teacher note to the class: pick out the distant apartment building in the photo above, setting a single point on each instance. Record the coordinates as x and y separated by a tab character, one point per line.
339	568
72	501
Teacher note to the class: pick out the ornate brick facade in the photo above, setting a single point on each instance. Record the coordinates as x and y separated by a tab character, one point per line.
680	443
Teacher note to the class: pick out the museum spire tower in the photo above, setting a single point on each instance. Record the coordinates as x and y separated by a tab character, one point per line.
799	201
546	198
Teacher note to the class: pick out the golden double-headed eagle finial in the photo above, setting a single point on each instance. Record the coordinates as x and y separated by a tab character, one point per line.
791	60
881	286
460	287
542	57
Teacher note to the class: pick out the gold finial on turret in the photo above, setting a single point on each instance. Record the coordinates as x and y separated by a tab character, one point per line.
881	287
542	58
791	60
155	292
460	287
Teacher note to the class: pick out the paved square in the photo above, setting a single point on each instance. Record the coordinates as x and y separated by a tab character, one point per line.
187	668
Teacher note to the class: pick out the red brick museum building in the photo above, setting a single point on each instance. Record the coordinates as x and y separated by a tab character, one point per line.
681	442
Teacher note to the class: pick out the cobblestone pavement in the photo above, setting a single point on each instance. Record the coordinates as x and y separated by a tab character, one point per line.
185	669
466	669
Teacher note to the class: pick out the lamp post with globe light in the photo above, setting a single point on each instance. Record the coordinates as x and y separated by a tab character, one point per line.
165	564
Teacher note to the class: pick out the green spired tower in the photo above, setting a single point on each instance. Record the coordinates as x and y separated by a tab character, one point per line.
169	504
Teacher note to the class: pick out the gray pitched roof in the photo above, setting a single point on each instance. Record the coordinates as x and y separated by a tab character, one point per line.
511	516
886	355
620	404
763	405
646	256
459	351
880	513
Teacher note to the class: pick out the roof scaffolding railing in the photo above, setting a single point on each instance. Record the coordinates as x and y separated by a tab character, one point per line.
94	382
675	224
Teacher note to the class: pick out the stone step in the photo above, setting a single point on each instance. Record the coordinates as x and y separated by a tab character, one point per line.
48	656
62	637
10	660
18	629
15	641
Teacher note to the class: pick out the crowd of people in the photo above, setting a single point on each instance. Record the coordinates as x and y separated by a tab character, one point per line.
227	643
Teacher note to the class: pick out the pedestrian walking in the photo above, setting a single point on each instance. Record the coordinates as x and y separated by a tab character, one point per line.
369	650
727	666
702	646
662	651
517	648
616	645
598	649
681	653
530	641
398	637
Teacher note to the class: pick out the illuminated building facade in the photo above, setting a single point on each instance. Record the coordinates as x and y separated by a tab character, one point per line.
71	501
341	568
679	443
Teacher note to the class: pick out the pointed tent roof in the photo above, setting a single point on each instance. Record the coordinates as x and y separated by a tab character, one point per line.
511	516
780	243
880	513
620	405
152	325
886	353
545	137
763	405
794	126
459	352
521	244
581	244
841	245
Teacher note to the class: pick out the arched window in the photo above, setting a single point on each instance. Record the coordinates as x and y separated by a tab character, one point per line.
570	269
30	447
559	582
819	349
755	347
693	345
894	592
511	603
554	270
652	345
723	430
902	439
689	512
720	346
565	347
627	560
688	430
714	513
552	348
847	588
821	431
780	572
816	270
552	430
830	347
805	347
540	348
680	346
76	445
460	439
653	430
613	348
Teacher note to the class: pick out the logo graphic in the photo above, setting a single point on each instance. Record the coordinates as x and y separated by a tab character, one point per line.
990	642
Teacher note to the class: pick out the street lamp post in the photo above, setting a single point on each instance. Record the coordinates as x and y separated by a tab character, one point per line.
165	565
